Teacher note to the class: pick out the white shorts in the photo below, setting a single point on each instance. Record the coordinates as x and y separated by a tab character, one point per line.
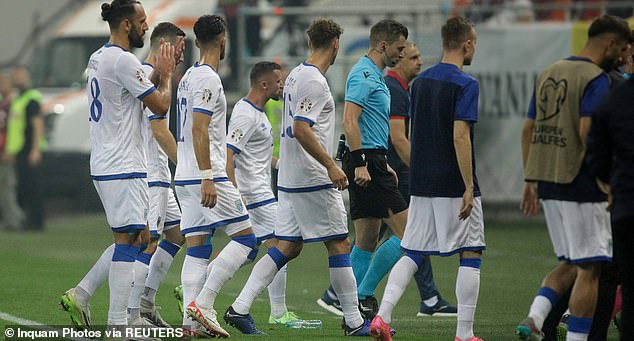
311	216
228	214
164	212
580	232
433	227
263	216
125	202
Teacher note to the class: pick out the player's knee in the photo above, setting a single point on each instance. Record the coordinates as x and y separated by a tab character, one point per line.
416	257
290	249
248	240
174	236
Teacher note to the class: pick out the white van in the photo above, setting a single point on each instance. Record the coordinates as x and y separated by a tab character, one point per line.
58	72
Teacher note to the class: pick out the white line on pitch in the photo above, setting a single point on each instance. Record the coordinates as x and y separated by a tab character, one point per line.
41	326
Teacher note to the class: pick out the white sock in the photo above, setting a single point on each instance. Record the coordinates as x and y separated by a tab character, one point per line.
193	277
542	304
430	302
467	290
120	278
277	293
397	282
225	266
263	273
98	274
134	302
345	285
159	266
572	336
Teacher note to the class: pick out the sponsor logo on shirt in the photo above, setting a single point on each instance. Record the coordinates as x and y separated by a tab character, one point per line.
236	135
206	95
306	105
140	75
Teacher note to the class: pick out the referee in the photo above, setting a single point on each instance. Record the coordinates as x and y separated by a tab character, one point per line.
374	194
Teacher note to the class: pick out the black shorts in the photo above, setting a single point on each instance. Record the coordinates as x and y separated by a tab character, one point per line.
382	193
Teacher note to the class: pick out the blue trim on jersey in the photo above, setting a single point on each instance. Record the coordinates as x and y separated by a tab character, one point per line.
321	239
234	148
585	260
128	227
155	234
115	45
121	176
215	225
304	189
158	184
156	117
261	203
172	223
148	64
289	238
203	111
147	92
211	67
197	182
445	254
307	64
253	105
263	238
308	120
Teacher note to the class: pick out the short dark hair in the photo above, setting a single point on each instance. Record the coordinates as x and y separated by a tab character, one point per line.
209	27
387	30
117	10
455	32
261	69
167	31
610	24
322	32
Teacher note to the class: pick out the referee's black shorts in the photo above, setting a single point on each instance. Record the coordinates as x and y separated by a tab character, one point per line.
381	194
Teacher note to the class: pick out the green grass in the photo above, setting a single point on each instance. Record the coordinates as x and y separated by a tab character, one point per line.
38	267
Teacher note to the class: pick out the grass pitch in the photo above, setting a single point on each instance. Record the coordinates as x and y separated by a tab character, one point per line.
38	267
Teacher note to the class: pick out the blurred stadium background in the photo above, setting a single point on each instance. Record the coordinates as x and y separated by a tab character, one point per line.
517	39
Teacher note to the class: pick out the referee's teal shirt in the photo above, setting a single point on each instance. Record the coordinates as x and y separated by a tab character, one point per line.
366	88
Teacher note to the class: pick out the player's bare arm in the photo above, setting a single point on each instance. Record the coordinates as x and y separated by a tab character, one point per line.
351	113
529	203
399	140
159	101
462	144
164	137
584	128
200	135
35	155
305	136
231	170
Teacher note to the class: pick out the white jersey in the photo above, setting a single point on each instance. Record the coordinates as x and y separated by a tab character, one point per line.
307	98
116	84
250	135
200	90
158	170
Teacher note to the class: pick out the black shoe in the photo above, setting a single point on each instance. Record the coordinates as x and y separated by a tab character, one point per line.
330	302
368	307
442	308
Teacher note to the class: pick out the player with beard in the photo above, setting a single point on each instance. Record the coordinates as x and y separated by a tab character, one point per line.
117	89
208	199
553	148
311	208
